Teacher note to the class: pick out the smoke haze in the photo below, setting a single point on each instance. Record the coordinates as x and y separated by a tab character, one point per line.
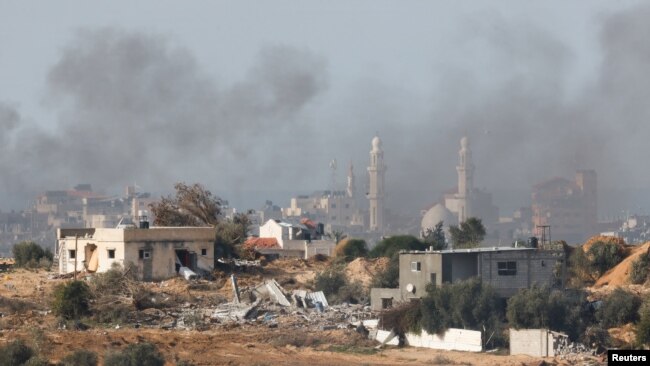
133	106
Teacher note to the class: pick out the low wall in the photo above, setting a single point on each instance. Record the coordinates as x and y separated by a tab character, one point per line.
452	340
534	342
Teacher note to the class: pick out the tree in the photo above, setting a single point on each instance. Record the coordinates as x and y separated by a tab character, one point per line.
230	233
643	326
619	308
469	235
71	300
191	206
351	248
80	357
15	353
435	237
604	256
28	254
539	307
390	247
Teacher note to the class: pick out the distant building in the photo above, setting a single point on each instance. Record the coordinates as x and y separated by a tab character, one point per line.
156	253
304	239
569	207
465	201
506	269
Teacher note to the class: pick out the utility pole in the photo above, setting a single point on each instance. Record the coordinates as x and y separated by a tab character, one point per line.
76	237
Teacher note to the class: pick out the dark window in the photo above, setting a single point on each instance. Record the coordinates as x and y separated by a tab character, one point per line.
111	253
386	303
416	266
507	268
144	254
433	279
72	254
204	251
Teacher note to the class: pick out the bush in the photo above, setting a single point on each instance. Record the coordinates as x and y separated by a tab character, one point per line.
71	300
643	326
336	287
389	277
604	256
639	273
391	246
141	354
80	357
15	353
351	248
28	254
467	304
15	305
620	307
539	307
112	313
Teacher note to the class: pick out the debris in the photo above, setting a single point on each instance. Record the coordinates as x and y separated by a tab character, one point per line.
235	289
187	273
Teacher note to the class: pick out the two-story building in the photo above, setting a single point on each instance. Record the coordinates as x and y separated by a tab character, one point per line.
506	269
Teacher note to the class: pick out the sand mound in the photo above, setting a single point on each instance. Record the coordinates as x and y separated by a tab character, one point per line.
364	270
620	274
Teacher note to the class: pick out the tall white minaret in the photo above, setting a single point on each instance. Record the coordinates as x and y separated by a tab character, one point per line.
465	170
376	192
352	188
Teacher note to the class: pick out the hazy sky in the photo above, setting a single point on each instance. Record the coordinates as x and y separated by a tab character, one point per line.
259	95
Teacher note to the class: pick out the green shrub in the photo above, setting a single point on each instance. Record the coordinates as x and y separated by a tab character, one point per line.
539	307
15	353
643	326
604	256
391	246
389	277
352	248
80	357
111	313
620	307
639	273
336	287
71	300
141	354
28	254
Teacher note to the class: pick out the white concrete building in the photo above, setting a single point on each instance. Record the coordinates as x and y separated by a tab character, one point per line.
155	253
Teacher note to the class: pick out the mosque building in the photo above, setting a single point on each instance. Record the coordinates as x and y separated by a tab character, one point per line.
465	200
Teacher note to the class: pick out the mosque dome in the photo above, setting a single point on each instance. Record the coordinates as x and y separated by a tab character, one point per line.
436	214
376	143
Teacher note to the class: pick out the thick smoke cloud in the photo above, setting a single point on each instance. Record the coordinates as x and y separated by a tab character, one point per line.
133	106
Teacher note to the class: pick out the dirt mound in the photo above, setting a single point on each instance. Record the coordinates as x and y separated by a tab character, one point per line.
363	270
624	334
620	274
605	239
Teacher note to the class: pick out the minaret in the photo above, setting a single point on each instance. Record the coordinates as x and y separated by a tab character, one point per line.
465	170
376	192
352	188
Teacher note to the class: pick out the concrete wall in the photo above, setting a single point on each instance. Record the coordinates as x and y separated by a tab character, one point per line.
452	339
378	294
325	247
429	263
533	267
534	342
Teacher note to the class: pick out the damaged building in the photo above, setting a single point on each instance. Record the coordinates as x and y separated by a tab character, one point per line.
155	253
506	269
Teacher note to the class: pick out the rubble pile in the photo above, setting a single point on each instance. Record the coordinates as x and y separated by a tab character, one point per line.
573	352
265	304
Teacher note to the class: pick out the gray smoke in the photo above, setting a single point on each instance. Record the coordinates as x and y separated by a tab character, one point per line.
134	107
